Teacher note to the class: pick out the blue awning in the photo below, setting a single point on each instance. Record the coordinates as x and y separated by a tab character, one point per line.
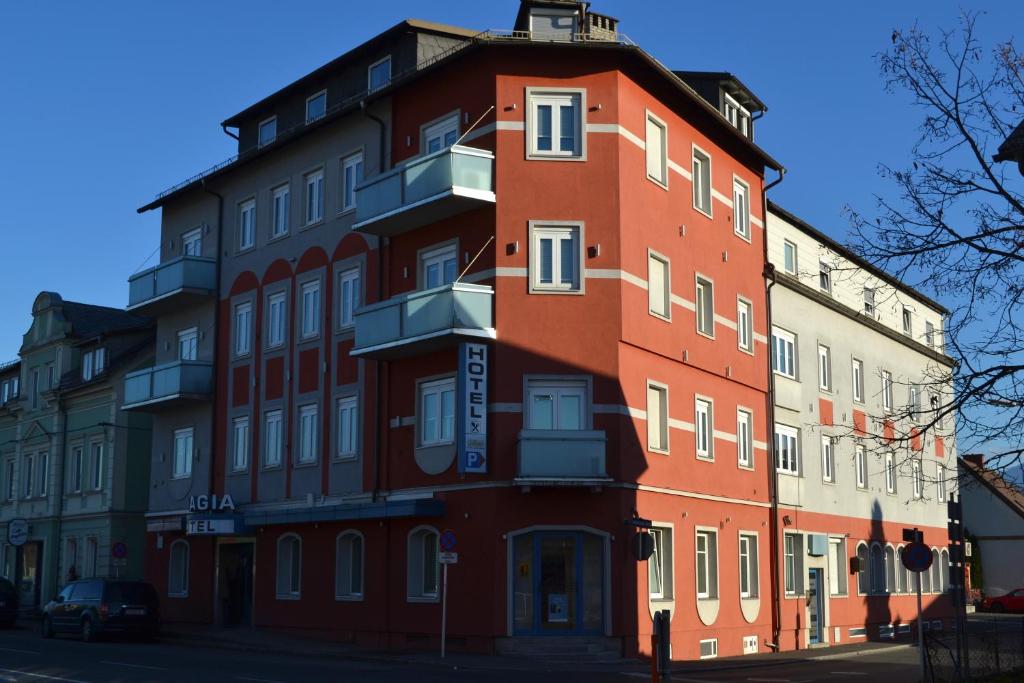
331	513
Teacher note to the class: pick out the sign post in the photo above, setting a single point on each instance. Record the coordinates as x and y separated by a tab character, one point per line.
447	556
917	557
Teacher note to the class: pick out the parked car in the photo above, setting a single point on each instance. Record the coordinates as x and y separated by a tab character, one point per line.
1011	602
8	604
93	607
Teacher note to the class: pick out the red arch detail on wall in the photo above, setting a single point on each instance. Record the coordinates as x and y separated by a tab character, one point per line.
313	258
244	282
277	271
351	244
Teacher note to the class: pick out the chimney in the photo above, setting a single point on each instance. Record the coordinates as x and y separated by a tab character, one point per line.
976	459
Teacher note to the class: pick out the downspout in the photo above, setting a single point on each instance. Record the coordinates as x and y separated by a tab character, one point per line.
216	325
59	484
228	133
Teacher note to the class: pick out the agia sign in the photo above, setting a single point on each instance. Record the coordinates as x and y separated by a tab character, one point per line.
211	503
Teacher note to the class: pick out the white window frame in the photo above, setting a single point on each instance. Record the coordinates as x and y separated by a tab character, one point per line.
887	393
439	129
940	482
349	296
561	235
828	460
741	208
704	303
557	388
891	485
857	368
837	580
277	320
748	559
260	142
656	154
659	300
247	224
243	329
702	180
87	371
313	197
184	453
97	451
240	444
929	333
435	388
369	74
416	545
309	433
744	324
918	478
352	170
787	342
860	464
824	368
315	96
182	587
736	114
825	277
793	563
704	428
792	436
907	320
192	242
869	302
188	344
348	427
273	448
790	246
745	438
77	469
354	592
438	257
709	562
661	564
293	579
280	209
309	325
657	417
557	99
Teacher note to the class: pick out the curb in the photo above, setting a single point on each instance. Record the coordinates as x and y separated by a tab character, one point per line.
866	651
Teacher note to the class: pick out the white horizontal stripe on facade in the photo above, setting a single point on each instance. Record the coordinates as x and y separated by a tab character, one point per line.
494	272
694	494
680	170
616	128
615	274
721	197
760	338
684	303
618	409
722	320
505	408
681	424
760	445
756	221
725	436
511	125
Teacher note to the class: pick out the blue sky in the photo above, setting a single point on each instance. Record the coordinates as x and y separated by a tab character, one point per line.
107	104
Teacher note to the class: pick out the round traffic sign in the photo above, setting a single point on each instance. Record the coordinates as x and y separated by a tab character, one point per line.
448	541
119	550
917	557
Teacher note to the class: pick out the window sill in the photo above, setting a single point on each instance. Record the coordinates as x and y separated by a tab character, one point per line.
746	238
788	473
749	352
277	238
271	468
784	375
292	598
538	156
659	316
177	596
305	465
245	250
275	348
181	477
348	598
354	457
663	184
422	600
705	213
706	335
312	224
309	339
346	212
239	472
545	290
747	468
706	458
658	451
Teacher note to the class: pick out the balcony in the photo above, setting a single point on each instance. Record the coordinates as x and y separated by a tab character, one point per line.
173	285
424	321
562	458
151	390
425	190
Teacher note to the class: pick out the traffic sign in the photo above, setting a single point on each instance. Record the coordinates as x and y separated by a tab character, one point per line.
448	558
917	557
448	540
119	550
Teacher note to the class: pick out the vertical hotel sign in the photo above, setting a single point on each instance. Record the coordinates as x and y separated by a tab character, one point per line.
472	401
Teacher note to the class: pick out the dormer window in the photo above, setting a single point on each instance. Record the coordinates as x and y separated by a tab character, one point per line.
268	131
737	115
316	106
553	24
93	363
379	74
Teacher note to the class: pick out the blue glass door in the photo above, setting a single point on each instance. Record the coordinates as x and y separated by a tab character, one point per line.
559	584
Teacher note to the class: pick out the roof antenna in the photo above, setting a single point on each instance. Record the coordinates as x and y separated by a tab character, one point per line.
475	124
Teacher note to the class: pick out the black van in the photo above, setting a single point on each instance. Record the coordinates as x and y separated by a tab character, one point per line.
91	607
8	603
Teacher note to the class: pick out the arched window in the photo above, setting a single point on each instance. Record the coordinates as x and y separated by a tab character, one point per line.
289	567
348	566
925	578
902	577
422	568
944	555
863	570
936	571
890	570
877	569
177	575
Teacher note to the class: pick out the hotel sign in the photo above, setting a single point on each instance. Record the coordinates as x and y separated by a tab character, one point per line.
472	402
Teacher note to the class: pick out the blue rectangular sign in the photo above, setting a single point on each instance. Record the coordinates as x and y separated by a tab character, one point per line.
472	402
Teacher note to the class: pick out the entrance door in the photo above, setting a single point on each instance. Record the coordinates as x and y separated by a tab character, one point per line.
29	575
815	607
558	583
234	583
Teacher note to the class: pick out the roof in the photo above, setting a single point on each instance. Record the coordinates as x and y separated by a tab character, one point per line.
1012	148
73	379
1007	491
9	365
835	246
89	321
724	76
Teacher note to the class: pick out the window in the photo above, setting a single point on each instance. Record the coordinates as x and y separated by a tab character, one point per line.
704	426
787	456
379	74
940	482
745	438
783	353
437	412
307	434
246	224
861	464
93	364
438	266
902	579
182	453
824	368
877	567
268	131
314	197
890	473
71	559
748	566
552	24
828	463
351	176
886	390
192	243
789	257
188	344
657	150
276	324
555	125
240	461
43	471
26	477
657	417
736	114
908	322
929	334
836	566
659	294
316	106
441	135
701	181
96	466
741	208
914	401
87	366
793	570
272	454
348	566
310	309
177	575
555	259
289	567
705	307
77	467
869	302
707	565
745	325
243	329
348	427
348	286
915	468
824	277
659	565
890	569
11	489
423	567
858	380
282	205
557	404
863	570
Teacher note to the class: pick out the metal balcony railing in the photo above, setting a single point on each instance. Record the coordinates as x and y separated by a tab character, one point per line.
171	283
562	455
166	385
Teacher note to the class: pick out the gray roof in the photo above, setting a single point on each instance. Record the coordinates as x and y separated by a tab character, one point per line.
88	321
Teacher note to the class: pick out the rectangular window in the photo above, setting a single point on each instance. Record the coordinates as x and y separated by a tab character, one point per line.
378	74
858	380
940	482
99	362
556	404
828	463
745	325
188	344
11	487
890	473
908	322
267	131
348	287
316	106
310	309
348	427
659	565
914	402
351	176
437	412
837	566
824	368
439	266
705	426
793	553
273	448
915	468
27	476
705	307
243	329
886	389
77	468
707	565
929	334
307	434
240	449
555	259
861	464
789	257
182	453
783	353
441	135
824	277
869	302
246	224
701	181
314	184
192	243
745	438
43	472
282	204
657	417
87	366
276	324
553	24
741	208
96	466
787	455
657	150
659	294
736	114
748	566
555	125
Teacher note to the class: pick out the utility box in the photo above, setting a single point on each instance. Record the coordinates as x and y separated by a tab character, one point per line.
817	545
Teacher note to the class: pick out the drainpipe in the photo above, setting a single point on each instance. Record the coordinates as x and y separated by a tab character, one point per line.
216	325
773	480
59	483
228	133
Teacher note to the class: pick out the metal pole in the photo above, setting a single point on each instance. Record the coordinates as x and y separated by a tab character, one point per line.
444	608
920	630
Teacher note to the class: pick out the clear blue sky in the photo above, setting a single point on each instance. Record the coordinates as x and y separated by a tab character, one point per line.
106	104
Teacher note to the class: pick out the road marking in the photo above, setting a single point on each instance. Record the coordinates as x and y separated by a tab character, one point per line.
257	680
770	680
24	652
44	676
134	666
847	673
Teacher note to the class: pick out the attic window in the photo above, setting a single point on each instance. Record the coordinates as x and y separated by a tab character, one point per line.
316	106
93	363
379	74
268	131
551	24
736	114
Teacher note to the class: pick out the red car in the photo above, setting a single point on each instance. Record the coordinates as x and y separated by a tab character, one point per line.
1011	602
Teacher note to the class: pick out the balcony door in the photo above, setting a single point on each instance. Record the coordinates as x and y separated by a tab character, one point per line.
556	405
437	267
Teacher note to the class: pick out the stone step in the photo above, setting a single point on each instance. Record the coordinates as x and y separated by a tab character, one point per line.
553	647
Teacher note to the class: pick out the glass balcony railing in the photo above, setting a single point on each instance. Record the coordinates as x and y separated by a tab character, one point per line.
164	386
425	190
172	285
422	321
562	456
